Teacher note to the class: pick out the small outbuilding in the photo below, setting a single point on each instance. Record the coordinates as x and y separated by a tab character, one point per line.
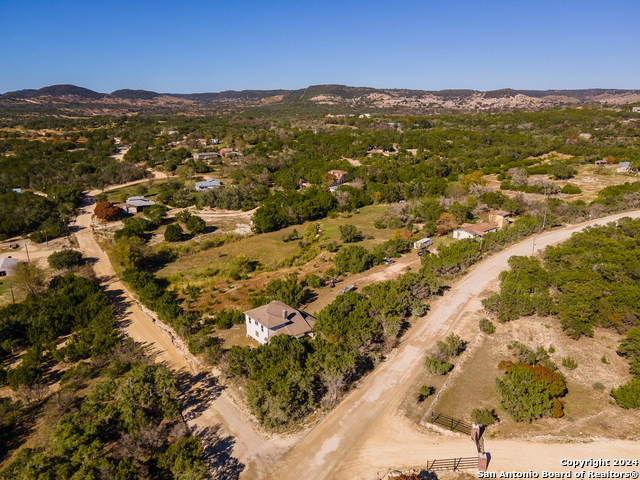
422	243
7	265
499	218
136	204
623	167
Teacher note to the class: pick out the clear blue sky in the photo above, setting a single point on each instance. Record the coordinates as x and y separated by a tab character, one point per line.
209	46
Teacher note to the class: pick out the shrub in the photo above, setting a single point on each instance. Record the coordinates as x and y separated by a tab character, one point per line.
423	392
452	346
628	395
569	363
173	233
436	366
314	281
183	216
571	189
292	236
598	386
350	234
483	416
487	326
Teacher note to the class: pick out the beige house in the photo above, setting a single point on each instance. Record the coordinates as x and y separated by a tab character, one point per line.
473	230
499	218
277	318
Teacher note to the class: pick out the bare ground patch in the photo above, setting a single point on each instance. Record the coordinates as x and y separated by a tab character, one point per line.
587	410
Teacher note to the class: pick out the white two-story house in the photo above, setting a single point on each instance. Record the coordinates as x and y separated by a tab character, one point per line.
277	318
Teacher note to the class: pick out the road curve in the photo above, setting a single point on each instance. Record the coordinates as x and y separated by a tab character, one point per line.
221	413
366	411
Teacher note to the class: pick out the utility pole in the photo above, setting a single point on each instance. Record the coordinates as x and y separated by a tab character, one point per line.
13	299
544	221
534	245
27	250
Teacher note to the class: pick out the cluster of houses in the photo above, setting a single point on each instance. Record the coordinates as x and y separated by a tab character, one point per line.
342	115
223	152
623	167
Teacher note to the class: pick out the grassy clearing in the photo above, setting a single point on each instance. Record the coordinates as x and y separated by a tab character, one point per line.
236	336
130	191
270	250
592	179
588	411
5	291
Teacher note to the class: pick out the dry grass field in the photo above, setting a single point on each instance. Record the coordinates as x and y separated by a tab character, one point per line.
587	409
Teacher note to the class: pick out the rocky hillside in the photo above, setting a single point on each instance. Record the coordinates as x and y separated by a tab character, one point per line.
317	98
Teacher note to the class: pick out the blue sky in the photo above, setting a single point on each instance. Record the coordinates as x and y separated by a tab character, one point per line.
210	46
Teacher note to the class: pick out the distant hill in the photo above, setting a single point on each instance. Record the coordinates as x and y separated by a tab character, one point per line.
63	90
20	93
135	94
316	99
231	95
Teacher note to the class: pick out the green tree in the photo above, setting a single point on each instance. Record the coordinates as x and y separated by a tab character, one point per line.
354	259
628	395
142	190
29	278
185	459
173	233
65	259
196	225
523	396
350	234
287	291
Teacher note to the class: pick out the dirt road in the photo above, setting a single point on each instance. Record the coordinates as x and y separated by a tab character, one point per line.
365	434
221	414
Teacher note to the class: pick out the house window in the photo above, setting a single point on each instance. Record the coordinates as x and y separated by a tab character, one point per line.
262	328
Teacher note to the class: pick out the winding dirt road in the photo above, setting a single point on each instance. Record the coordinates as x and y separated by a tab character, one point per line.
221	414
365	434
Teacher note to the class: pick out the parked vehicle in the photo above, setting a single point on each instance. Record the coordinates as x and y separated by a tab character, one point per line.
389	262
348	288
423	251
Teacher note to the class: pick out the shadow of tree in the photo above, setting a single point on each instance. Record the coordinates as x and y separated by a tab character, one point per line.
197	392
218	453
